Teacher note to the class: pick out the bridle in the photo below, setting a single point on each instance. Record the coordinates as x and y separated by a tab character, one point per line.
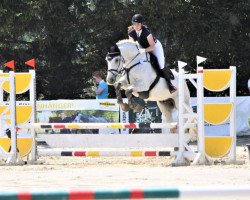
116	71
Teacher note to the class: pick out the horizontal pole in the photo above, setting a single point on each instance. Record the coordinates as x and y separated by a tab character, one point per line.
103	153
155	193
96	125
106	153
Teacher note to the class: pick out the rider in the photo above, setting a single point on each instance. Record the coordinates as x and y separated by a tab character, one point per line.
139	32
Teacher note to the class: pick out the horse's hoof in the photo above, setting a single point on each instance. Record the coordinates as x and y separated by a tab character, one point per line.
125	107
119	101
138	108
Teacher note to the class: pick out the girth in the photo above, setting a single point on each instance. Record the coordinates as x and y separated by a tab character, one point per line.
127	70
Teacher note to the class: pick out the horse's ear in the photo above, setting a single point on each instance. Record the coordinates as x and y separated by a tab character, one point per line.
114	49
111	49
117	48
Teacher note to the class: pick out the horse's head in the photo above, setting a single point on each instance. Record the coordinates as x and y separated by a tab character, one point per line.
114	60
121	55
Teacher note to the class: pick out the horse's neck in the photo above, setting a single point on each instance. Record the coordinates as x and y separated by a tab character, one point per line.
129	55
134	60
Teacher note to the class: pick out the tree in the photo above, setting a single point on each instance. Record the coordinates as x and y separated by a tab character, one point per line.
70	38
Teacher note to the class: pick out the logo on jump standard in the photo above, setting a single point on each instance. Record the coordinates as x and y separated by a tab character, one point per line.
106	104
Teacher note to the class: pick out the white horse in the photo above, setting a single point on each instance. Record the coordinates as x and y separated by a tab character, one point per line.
131	71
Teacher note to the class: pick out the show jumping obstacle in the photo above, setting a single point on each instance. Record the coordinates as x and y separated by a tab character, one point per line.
214	80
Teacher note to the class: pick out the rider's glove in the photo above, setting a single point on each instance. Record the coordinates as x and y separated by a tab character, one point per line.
142	51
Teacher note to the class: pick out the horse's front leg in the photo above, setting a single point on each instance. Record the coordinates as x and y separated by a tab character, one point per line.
124	106
118	93
137	87
131	102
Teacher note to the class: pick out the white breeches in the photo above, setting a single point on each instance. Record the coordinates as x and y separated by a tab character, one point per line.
159	53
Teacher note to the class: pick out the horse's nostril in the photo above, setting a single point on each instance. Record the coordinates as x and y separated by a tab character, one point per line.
111	80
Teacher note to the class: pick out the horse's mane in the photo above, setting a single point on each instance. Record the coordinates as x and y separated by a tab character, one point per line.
125	41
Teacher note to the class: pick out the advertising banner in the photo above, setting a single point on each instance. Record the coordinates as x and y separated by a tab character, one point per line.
78	111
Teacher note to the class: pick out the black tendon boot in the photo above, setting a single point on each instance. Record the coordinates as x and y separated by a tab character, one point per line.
166	75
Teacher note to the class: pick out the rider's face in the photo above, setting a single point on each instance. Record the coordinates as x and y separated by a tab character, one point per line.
96	79
137	26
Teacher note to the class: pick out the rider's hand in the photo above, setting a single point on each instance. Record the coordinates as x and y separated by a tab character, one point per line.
142	51
130	28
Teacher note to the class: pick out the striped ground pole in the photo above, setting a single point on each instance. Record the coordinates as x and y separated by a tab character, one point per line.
91	195
54	152
217	193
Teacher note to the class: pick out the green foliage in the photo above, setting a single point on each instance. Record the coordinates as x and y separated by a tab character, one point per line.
70	38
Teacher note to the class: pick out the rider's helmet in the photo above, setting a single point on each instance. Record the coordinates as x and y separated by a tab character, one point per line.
137	18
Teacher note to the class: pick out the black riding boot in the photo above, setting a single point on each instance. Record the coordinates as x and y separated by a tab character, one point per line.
166	75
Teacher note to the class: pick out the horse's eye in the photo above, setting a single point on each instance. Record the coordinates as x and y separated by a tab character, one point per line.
116	60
